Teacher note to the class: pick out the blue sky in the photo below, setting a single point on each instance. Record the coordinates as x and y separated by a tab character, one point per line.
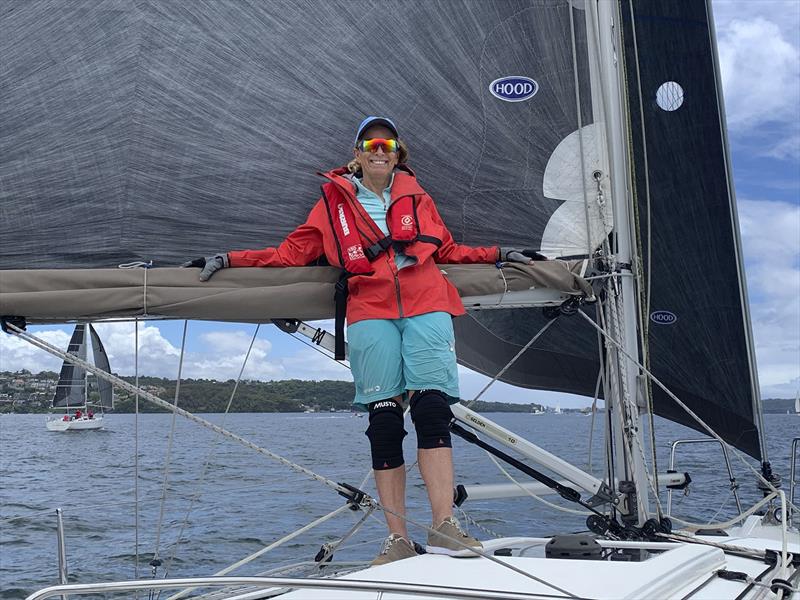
759	51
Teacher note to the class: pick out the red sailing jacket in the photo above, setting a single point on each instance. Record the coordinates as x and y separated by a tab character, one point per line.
387	293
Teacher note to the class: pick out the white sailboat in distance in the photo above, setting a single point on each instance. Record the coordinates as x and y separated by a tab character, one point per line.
84	407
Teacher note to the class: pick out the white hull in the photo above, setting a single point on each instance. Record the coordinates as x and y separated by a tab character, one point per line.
82	424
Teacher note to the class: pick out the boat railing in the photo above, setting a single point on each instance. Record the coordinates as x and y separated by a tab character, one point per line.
792	478
280	585
62	548
734	485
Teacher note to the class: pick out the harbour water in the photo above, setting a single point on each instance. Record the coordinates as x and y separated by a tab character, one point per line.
223	501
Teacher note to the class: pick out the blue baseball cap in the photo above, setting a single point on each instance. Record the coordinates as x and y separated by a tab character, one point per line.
370	121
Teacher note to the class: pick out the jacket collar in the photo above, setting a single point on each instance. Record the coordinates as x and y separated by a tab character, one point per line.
404	184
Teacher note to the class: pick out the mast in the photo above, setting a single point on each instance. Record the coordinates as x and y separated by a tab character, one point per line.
621	312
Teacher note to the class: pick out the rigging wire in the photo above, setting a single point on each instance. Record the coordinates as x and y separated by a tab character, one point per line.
512	361
39	343
605	369
136	452
614	307
578	117
156	561
287	538
594	413
211	452
680	403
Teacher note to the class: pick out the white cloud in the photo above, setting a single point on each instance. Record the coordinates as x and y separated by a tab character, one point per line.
760	68
17	354
788	148
771	244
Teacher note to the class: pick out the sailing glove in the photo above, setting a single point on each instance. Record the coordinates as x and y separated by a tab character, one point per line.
520	255
209	264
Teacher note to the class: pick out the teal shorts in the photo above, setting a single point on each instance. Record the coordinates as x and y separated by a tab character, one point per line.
390	356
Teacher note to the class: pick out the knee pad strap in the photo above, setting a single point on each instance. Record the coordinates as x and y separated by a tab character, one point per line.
386	433
431	415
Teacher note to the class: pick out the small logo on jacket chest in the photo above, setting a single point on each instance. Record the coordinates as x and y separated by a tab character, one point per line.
355	252
406	222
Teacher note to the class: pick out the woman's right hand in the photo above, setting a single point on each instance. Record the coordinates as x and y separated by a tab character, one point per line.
209	264
520	255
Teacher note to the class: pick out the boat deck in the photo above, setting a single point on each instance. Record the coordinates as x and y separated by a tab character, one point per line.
666	570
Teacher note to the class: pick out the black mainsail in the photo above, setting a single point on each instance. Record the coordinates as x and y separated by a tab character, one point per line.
74	387
161	131
71	387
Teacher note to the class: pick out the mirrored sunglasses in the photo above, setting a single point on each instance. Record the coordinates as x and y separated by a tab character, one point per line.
375	143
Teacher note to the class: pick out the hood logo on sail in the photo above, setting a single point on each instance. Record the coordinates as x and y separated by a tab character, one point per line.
663	317
514	88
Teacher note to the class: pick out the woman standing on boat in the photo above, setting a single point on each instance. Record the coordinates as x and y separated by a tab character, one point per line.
376	222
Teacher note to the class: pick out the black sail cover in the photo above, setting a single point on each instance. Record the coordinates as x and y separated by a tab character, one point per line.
156	130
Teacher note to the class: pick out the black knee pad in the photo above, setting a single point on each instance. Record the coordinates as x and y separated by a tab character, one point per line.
431	415
386	433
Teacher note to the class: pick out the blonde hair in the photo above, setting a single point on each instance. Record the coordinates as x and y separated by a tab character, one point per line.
402	159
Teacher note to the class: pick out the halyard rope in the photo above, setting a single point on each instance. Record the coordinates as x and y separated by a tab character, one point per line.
531	494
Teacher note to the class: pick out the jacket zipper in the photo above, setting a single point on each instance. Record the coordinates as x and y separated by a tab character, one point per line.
397	292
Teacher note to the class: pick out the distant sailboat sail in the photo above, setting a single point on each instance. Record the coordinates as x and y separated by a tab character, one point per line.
71	387
105	389
76	389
